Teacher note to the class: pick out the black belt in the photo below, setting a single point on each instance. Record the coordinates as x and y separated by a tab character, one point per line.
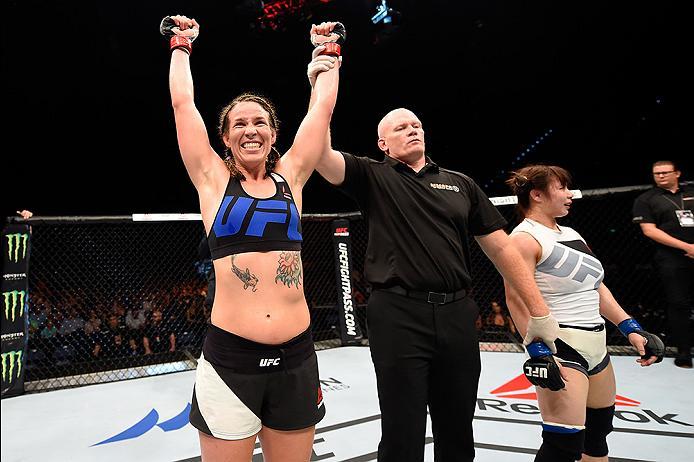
438	298
598	328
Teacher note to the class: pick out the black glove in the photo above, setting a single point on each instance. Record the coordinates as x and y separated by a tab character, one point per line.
333	42
654	346
541	369
184	41
166	26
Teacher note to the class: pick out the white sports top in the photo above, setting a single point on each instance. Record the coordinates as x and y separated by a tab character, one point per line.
568	274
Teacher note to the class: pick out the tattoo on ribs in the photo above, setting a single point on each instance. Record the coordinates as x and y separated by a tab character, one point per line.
249	279
289	269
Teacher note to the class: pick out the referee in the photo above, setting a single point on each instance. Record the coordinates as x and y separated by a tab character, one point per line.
665	214
420	316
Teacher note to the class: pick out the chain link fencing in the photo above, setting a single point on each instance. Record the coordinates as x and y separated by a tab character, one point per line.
112	299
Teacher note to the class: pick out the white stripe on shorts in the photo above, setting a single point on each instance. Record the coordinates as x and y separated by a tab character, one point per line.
225	414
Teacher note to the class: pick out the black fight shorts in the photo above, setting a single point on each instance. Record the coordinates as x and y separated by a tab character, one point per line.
241	385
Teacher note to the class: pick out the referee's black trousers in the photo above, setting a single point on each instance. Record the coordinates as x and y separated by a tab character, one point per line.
678	282
424	355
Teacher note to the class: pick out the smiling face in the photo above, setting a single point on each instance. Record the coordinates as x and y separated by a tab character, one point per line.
401	136
553	202
249	134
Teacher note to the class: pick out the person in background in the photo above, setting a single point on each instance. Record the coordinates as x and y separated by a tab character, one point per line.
665	214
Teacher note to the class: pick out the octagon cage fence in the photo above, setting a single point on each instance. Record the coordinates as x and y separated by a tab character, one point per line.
112	298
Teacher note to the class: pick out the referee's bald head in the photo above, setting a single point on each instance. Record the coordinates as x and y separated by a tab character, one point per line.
389	119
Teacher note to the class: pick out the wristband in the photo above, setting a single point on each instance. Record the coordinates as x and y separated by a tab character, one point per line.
536	349
179	41
333	48
629	326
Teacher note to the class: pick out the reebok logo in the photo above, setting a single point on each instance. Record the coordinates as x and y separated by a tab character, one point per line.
265	362
521	388
148	422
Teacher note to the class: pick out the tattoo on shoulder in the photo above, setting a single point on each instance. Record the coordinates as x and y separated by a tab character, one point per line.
289	269
249	279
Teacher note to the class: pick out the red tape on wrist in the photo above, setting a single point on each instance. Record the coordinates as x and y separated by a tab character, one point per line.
331	49
179	41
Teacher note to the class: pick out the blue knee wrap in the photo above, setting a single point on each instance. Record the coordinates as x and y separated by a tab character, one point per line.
598	426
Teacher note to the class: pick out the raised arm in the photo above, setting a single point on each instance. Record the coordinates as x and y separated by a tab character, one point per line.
331	164
198	156
310	140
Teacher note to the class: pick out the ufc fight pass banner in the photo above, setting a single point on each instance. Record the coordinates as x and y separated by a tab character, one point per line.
349	325
15	306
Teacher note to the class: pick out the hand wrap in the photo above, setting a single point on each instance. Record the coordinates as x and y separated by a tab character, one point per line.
544	328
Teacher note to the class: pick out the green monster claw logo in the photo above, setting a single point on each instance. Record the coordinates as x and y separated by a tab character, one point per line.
13	299
8	365
14	242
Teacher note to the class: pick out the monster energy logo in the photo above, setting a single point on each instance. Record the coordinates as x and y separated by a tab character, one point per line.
14	242
12	300
8	365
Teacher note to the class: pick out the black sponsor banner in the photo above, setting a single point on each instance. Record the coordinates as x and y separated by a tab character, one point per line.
15	306
349	325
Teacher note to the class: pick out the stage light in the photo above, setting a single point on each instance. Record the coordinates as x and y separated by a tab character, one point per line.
383	14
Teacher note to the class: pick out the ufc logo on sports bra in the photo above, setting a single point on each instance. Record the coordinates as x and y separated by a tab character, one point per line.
269	362
571	261
231	217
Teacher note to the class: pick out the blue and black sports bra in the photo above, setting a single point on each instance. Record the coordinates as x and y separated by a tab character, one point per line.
246	224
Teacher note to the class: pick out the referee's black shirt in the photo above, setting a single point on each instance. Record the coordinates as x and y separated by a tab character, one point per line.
419	223
658	206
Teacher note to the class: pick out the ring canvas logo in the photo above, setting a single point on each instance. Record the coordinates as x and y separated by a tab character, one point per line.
14	302
147	423
182	419
11	366
17	246
520	388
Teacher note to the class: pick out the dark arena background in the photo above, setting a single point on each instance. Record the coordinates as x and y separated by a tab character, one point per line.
599	88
